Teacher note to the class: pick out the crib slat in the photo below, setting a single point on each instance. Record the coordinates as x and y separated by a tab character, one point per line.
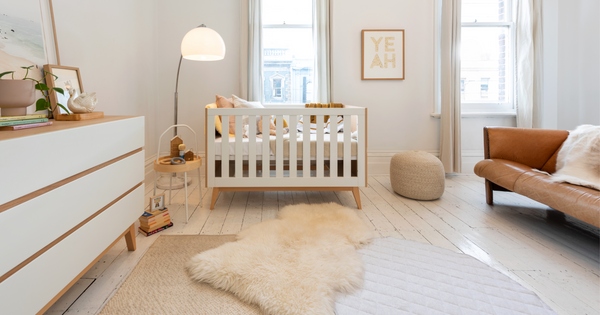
361	154
210	149
225	146
320	147
347	145
252	146
293	159
305	146
239	137
266	164
279	147
333	158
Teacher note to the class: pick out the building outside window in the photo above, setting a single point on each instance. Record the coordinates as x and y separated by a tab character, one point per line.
288	57
487	54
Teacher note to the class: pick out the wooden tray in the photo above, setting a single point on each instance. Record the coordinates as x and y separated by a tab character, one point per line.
77	117
164	165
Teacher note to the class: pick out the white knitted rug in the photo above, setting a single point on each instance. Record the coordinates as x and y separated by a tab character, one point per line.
406	277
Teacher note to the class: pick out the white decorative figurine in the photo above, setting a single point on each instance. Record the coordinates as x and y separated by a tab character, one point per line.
84	103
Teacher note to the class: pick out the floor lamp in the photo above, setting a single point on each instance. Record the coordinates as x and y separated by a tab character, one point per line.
199	44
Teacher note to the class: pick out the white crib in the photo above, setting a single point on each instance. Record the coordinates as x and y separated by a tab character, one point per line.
253	165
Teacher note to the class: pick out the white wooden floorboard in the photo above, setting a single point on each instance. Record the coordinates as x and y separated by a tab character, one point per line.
558	259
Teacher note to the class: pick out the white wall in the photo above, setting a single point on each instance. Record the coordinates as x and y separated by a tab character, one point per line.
199	81
398	111
113	44
571	63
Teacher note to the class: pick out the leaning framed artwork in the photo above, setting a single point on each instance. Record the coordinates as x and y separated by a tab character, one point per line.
382	54
69	79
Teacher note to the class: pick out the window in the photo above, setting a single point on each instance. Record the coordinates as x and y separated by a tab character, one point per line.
487	56
484	87
277	86
287	51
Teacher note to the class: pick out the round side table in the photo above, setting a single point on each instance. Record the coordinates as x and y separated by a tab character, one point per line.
163	165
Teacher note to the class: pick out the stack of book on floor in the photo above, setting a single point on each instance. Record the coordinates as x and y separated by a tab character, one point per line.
155	221
23	122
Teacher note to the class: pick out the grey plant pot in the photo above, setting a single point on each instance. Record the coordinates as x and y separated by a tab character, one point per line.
16	96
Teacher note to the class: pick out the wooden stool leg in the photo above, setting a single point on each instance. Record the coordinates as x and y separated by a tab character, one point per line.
356	193
130	238
489	193
215	195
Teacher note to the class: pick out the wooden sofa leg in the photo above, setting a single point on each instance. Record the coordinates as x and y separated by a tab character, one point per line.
489	193
215	195
356	193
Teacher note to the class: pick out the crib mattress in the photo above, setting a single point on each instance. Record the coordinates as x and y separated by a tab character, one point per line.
259	147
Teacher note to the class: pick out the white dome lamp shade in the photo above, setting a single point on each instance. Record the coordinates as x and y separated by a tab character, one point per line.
199	44
203	44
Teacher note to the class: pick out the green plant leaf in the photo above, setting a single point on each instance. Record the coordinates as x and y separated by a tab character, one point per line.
27	68
41	104
61	106
59	90
41	87
55	77
5	73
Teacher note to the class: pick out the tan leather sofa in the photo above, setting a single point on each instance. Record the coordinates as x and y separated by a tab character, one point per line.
511	154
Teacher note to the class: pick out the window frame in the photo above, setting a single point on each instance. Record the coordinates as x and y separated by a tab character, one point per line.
509	104
291	26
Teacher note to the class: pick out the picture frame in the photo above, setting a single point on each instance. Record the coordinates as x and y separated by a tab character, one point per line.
382	54
68	77
157	202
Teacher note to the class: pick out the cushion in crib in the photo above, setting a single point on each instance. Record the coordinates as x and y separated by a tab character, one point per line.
218	124
223	102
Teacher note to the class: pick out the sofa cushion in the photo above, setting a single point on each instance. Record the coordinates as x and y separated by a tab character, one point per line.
501	172
580	202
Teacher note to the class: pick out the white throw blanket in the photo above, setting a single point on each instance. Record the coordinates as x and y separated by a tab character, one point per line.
578	160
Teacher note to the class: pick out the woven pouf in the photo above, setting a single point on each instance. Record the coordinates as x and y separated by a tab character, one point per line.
417	175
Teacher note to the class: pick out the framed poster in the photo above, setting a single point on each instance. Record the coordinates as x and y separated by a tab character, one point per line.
69	79
382	55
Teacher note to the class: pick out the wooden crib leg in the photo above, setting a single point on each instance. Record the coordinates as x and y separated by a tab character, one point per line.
356	194
215	195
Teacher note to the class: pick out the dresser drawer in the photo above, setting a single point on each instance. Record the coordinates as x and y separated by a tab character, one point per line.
33	162
29	289
36	223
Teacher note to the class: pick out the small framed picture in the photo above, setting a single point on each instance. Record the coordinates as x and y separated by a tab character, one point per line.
157	202
382	55
69	79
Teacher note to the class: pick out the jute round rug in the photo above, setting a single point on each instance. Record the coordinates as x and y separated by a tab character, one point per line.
159	284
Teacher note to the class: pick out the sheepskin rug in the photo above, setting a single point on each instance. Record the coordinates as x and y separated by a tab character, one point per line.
578	160
295	264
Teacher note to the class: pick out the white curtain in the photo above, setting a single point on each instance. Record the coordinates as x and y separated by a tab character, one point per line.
450	143
528	22
251	51
321	46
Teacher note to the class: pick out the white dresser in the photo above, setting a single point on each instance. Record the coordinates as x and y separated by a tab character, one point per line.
68	192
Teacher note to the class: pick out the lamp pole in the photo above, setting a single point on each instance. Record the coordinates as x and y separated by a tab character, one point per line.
176	88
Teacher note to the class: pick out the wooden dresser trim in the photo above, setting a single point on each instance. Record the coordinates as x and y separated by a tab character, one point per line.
62	237
63	182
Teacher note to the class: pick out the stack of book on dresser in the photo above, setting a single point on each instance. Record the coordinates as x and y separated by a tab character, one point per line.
23	122
152	222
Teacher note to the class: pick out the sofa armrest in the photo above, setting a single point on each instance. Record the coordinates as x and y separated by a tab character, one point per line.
537	148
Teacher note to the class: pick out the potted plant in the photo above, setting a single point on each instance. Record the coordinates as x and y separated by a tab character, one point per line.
17	95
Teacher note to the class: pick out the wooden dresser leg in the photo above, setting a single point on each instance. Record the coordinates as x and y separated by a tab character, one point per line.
356	193
215	195
489	193
130	238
